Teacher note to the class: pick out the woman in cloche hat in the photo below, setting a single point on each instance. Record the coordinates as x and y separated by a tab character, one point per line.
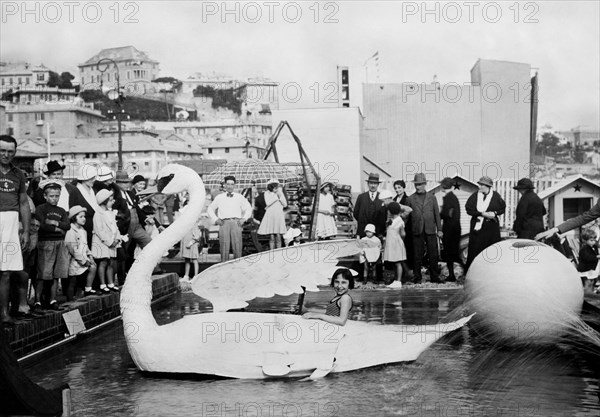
484	207
273	223
529	220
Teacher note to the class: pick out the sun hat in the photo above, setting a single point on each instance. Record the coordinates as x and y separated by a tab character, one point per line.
370	228
103	195
53	166
485	180
326	183
447	183
75	210
138	178
87	172
524	184
273	181
373	177
295	233
419	178
105	173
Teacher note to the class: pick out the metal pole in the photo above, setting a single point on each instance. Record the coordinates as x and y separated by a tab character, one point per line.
48	139
120	112
120	144
120	136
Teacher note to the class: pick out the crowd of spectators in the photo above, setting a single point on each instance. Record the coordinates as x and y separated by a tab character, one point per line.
84	235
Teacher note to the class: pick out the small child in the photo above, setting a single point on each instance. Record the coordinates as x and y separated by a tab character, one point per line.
339	306
293	236
53	262
370	256
588	259
105	240
395	251
296	237
191	246
81	263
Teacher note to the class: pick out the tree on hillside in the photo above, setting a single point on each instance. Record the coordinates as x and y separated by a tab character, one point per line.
229	98
61	81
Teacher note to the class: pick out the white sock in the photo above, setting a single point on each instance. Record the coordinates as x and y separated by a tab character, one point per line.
102	286
88	289
111	285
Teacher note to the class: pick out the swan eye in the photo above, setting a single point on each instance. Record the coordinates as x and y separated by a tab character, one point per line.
163	182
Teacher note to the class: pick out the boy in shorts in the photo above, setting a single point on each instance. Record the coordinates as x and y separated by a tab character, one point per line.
53	262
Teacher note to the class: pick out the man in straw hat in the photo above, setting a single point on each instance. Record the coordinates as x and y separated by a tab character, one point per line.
484	207
529	220
426	225
369	208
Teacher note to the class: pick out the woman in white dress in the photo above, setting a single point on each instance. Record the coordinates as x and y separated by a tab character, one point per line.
273	223
326	227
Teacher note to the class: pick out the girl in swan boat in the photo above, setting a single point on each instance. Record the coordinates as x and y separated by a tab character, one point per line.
340	305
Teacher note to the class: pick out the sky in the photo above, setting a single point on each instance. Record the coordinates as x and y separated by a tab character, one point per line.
300	44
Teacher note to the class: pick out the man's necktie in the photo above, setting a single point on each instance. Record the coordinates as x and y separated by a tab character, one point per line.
229	194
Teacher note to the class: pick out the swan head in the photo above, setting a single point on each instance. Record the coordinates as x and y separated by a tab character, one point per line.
174	178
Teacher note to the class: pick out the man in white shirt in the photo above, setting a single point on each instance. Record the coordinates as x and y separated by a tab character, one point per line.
230	211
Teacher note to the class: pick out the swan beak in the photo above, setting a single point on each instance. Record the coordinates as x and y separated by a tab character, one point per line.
163	182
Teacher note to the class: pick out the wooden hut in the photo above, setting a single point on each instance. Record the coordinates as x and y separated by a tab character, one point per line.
569	198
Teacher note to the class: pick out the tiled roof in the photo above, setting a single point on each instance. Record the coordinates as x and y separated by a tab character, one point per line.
122	53
228	143
20	67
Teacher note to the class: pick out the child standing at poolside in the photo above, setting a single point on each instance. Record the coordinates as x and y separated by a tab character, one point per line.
394	250
370	255
53	263
339	306
191	247
105	240
82	268
588	259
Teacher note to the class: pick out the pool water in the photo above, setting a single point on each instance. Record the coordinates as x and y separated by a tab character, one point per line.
460	375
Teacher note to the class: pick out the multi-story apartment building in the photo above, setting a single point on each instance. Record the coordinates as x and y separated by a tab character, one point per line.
135	70
22	74
63	120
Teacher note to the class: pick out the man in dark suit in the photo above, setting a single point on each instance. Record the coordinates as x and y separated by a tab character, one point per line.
426	226
135	230
370	209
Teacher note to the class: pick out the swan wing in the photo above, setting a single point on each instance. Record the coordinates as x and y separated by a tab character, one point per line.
281	271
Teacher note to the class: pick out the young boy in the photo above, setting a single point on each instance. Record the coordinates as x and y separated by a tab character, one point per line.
588	259
52	254
370	256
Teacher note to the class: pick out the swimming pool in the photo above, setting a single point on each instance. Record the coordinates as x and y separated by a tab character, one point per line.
460	375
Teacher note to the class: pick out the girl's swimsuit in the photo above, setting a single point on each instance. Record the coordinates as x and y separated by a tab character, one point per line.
333	309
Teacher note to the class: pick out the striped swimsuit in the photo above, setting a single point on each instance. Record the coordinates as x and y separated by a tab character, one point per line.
333	309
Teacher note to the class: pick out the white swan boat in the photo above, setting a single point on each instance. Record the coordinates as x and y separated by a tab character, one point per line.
255	345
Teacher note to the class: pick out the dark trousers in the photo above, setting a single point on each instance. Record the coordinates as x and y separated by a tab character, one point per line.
137	236
420	242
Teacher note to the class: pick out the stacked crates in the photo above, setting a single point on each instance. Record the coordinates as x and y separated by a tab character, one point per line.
344	220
